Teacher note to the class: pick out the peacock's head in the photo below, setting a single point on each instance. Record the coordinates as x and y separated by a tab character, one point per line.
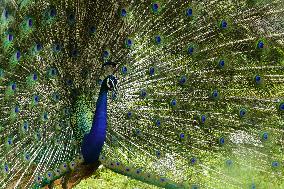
110	83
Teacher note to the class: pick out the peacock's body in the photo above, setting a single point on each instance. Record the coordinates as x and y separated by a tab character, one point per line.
200	97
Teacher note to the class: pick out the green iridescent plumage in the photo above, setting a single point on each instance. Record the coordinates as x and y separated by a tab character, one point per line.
83	118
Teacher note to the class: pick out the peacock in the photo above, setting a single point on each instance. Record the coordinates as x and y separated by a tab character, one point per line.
178	94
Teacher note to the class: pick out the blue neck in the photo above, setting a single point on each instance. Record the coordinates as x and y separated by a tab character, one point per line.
93	141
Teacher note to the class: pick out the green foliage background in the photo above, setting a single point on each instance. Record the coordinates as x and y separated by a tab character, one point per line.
106	179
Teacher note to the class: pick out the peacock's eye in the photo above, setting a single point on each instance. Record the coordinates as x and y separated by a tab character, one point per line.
109	83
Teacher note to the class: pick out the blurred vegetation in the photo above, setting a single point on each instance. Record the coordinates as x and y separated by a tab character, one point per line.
106	179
